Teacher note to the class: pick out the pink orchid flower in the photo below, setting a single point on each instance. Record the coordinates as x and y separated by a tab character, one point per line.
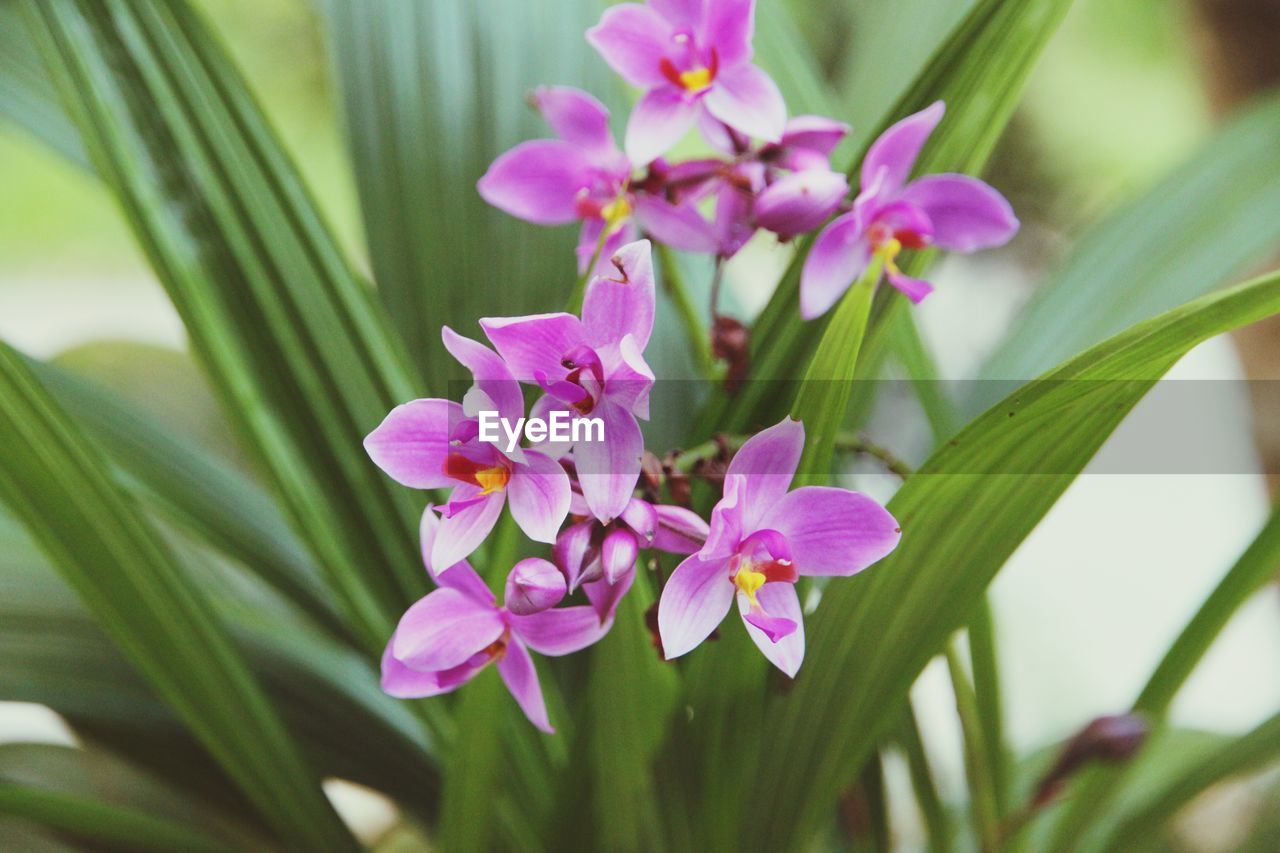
593	367
762	539
954	212
582	176
451	634
434	444
601	558
693	58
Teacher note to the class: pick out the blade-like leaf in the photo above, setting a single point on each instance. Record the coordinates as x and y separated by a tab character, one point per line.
434	90
1253	751
302	360
56	483
1095	788
27	98
979	71
1209	220
878	631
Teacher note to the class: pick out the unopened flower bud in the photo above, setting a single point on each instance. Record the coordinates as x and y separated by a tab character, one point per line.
534	585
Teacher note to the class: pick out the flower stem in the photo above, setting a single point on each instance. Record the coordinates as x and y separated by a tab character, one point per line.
580	286
694	329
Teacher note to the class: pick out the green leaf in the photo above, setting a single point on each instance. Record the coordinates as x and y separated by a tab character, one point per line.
990	711
198	492
937	821
303	362
1096	787
57	484
1253	751
1211	219
27	98
878	630
53	653
979	71
96	796
433	91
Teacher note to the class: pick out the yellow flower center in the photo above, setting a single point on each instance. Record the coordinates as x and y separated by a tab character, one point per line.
888	251
493	479
749	581
615	213
696	80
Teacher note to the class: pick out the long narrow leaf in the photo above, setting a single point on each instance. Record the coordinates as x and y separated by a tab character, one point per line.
57	484
954	513
302	360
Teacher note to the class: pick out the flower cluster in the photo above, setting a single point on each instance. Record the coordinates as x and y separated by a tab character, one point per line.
693	59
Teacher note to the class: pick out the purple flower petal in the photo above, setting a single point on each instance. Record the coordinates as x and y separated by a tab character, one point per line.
915	289
726	529
833	531
444	629
728	30
516	669
402	682
490	372
694	601
576	117
460	575
618	553
683	13
533	585
734	203
589	238
783	619
622	302
967	214
632	39
561	631
800	201
539	496
573	551
657	122
679	226
766	463
680	530
814	133
412	442
534	343
747	99
605	596
462	532
839	255
630	379
642	518
608	470
715	133
897	148
538	181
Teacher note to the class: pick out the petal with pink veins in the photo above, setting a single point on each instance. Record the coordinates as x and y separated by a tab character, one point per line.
784	619
461	532
608	469
695	600
491	373
833	531
576	117
897	148
534	343
966	214
561	631
815	133
573	551
728	29
402	682
658	121
766	464
538	181
618	553
680	530
679	226
539	496
839	255
412	442
605	596
516	669
632	39
460	575
444	629
747	99
621	302
533	585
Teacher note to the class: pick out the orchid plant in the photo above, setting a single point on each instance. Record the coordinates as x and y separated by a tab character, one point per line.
693	61
518	639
